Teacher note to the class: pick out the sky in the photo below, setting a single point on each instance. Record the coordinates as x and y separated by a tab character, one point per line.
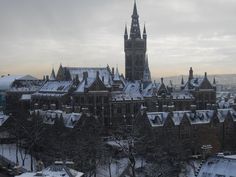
36	35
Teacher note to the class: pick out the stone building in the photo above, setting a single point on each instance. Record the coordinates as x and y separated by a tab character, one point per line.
193	129
136	68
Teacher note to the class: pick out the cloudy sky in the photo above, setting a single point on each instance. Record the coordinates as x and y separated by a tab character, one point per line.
36	35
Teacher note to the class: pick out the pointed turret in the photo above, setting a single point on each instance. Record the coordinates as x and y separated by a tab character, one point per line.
144	33
214	81
146	72
190	73
52	76
182	80
182	83
126	33
117	75
135	29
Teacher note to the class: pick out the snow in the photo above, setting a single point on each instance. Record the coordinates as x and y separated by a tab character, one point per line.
117	75
26	97
117	166
26	85
9	152
199	117
54	171
6	81
151	89
49	117
3	118
92	73
56	86
225	166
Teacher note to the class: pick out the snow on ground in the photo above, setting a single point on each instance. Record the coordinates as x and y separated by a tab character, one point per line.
118	166
9	152
189	168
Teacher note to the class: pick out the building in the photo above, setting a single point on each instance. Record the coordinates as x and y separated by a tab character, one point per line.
192	128
136	64
5	84
18	96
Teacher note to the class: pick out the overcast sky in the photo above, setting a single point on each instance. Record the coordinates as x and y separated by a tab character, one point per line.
36	35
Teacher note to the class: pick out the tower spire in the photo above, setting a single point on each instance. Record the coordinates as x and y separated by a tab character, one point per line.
126	33
144	32
135	29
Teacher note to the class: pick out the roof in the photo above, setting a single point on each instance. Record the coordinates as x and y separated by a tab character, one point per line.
130	92
56	86
151	89
6	81
157	119
53	171
22	85
3	118
195	83
49	117
104	73
219	166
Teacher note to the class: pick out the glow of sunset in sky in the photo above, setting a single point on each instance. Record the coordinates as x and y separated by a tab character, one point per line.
38	35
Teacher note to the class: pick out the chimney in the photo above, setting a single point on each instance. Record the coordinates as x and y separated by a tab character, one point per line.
193	108
47	78
164	108
85	76
171	108
190	73
97	74
102	78
209	106
113	71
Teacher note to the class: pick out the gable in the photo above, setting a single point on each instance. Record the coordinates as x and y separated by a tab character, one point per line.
185	121
169	122
97	85
162	89
206	84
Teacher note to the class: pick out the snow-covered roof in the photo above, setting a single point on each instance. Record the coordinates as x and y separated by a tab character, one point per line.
130	92
54	171
219	166
3	118
6	81
24	85
151	89
49	117
198	117
56	87
117	75
194	83
27	78
104	73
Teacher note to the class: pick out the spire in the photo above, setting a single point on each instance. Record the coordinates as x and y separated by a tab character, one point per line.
146	72
52	76
182	80
117	75
190	73
126	33
214	81
135	12
144	32
135	29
